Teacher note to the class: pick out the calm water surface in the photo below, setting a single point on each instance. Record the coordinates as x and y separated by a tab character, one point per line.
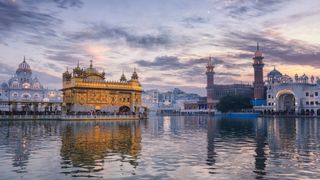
161	148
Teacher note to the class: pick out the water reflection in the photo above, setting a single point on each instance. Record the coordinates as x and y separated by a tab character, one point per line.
261	144
18	139
87	145
176	147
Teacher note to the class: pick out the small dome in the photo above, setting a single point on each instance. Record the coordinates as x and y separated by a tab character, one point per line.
134	75
24	67
274	72
35	80
4	85
123	78
14	80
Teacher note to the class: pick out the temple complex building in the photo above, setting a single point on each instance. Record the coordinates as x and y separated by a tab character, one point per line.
258	83
87	90
297	95
281	94
25	93
216	91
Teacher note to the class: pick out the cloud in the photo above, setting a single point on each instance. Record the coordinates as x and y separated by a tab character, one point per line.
188	70
193	21
17	19
152	79
249	8
276	48
174	63
68	3
64	4
163	63
116	35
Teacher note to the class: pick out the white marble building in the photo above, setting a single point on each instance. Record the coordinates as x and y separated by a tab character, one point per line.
297	95
24	92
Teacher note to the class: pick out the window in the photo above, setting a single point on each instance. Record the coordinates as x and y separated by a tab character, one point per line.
307	103
315	93
307	94
317	103
269	96
312	103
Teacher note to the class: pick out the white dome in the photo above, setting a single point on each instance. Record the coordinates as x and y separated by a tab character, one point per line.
24	67
275	73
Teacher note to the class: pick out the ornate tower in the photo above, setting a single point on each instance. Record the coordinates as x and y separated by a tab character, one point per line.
258	84
210	81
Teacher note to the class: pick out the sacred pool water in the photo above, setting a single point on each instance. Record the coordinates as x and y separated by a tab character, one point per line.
169	147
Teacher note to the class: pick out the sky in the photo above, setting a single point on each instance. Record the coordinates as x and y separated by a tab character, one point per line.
167	41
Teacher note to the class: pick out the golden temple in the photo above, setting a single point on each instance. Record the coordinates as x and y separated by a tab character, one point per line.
86	90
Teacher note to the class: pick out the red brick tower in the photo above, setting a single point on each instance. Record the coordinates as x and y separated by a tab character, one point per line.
258	84
210	83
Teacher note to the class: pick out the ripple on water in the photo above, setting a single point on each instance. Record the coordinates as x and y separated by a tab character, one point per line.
162	148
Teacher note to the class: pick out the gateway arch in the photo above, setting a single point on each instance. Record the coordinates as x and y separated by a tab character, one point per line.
286	101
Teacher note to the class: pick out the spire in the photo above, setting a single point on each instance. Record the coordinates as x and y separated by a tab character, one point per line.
24	59
274	67
123	77
210	66
78	64
91	63
134	75
258	53
210	61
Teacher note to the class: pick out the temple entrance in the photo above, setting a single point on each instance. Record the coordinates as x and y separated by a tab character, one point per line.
286	103
124	110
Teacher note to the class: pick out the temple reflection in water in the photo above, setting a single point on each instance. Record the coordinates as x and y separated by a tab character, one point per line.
87	145
161	147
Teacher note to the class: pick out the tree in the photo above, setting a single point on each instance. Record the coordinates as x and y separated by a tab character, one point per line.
234	103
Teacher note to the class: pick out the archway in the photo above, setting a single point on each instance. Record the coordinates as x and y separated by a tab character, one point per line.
286	101
312	112
124	110
307	112
318	112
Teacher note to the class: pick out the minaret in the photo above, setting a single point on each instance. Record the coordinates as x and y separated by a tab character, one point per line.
258	84
210	81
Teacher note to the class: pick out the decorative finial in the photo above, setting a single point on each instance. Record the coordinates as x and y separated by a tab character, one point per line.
274	67
134	75
91	63
24	59
258	48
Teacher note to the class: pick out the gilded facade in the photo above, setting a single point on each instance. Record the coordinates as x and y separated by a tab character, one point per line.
87	90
